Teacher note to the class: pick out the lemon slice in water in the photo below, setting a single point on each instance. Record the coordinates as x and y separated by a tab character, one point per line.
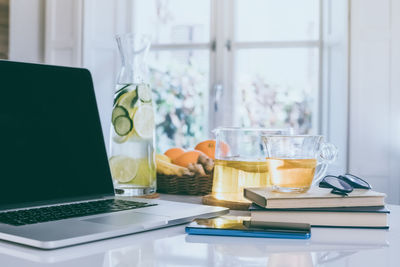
144	92
143	121
146	173
123	169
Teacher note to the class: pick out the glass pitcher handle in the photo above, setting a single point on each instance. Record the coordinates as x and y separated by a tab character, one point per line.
327	155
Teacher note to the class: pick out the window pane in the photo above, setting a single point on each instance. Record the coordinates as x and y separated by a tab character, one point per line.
180	80
278	88
173	21
276	20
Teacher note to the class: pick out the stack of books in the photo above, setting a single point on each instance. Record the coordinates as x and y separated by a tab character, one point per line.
319	207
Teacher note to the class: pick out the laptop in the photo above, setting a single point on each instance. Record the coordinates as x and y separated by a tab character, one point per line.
55	183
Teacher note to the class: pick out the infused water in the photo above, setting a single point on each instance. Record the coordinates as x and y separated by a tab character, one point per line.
132	160
232	176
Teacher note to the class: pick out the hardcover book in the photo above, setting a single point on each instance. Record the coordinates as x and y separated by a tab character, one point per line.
314	198
359	217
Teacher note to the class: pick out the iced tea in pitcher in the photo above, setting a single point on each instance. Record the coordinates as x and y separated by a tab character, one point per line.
240	161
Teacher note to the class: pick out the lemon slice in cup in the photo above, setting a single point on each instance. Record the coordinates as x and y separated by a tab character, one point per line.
123	168
143	121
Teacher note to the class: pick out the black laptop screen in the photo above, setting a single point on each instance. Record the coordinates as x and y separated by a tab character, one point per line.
51	143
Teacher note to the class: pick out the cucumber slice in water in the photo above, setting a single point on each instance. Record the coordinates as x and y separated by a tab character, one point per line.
123	90
123	87
118	111
128	100
118	95
123	125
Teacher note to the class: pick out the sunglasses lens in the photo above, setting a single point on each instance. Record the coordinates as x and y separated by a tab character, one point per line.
355	181
338	184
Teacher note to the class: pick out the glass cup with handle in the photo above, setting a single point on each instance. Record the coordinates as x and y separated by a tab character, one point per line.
295	162
240	161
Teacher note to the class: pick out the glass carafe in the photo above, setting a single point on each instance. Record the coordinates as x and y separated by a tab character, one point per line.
132	138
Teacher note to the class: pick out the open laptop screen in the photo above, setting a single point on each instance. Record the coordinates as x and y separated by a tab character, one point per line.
51	143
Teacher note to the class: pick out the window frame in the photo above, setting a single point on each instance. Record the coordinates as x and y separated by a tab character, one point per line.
222	47
333	77
333	44
225	9
208	46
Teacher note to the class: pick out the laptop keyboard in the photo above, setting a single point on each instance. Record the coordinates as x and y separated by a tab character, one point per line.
54	213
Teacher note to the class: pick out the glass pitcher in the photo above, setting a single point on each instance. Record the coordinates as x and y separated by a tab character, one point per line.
132	138
240	161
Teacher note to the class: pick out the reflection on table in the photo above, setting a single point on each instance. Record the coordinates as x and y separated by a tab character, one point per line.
172	247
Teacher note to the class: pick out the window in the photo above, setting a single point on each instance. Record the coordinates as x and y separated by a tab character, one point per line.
268	55
275	54
179	67
252	63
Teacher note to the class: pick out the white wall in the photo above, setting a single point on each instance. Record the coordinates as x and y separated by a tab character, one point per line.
63	32
102	19
50	31
26	31
374	140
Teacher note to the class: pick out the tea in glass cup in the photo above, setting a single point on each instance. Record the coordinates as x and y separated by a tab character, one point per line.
295	161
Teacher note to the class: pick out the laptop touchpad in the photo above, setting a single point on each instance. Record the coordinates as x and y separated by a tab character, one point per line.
131	218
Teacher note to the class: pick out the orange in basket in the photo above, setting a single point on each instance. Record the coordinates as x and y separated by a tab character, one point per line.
208	148
174	152
188	157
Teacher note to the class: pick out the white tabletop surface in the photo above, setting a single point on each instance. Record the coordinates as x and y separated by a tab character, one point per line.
172	247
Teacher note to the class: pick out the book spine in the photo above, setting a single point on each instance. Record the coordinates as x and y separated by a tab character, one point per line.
256	198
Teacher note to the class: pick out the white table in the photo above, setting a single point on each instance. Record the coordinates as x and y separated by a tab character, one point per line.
172	247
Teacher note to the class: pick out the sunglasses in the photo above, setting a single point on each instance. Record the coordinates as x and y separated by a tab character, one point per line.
343	184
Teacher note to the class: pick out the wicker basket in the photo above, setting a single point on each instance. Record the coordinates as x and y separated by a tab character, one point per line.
184	185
